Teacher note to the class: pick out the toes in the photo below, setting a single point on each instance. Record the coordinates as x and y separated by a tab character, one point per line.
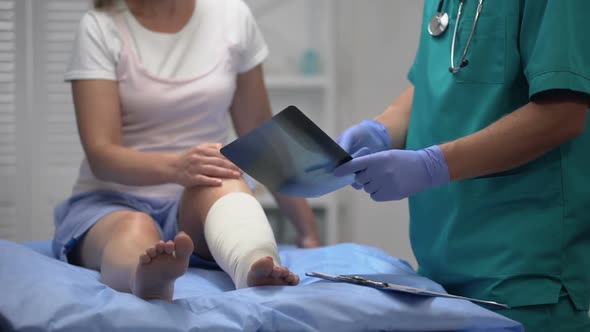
160	247
285	272
295	280
144	259
183	245
280	272
169	247
264	272
276	272
151	252
291	278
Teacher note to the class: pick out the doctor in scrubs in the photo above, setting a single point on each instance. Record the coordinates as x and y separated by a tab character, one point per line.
491	144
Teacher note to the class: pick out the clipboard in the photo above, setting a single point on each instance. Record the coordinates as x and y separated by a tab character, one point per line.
290	154
388	286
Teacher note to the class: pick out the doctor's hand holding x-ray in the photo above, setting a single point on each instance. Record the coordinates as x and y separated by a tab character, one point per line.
389	174
490	143
385	172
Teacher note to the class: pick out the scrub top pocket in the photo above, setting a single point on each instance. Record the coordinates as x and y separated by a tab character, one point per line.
487	52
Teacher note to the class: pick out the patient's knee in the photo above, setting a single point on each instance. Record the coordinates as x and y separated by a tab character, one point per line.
135	223
197	201
206	193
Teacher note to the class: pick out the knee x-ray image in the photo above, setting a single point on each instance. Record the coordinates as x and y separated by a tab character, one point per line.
290	154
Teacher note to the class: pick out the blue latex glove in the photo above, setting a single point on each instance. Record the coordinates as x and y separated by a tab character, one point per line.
367	137
397	174
368	134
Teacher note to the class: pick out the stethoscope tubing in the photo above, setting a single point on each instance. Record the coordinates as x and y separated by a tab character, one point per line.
439	23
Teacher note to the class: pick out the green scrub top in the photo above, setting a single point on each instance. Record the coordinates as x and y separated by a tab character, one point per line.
519	236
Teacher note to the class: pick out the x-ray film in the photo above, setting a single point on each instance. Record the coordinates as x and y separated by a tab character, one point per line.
290	154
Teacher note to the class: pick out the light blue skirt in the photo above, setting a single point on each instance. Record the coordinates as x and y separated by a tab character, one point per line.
76	215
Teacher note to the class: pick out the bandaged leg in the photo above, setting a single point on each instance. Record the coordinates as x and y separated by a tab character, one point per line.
238	234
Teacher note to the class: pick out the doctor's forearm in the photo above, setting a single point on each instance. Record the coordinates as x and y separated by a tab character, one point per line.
396	118
515	139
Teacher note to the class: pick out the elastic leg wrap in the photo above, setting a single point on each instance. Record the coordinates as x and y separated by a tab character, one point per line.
238	234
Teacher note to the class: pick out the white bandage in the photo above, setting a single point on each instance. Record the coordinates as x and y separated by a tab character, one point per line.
238	234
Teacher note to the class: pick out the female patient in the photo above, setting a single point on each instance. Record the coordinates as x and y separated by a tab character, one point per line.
153	83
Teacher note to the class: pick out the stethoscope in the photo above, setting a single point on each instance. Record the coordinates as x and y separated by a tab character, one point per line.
439	23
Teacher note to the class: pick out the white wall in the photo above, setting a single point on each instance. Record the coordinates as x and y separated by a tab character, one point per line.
376	44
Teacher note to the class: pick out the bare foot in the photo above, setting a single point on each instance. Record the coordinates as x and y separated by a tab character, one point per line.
160	266
264	272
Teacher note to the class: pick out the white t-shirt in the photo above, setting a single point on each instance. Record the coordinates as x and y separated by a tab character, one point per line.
176	89
166	55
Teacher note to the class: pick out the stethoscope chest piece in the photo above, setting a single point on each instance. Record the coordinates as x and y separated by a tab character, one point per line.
438	24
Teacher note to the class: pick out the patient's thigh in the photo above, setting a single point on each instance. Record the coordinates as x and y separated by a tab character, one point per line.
195	204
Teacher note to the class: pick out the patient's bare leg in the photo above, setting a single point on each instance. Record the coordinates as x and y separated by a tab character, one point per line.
194	208
117	245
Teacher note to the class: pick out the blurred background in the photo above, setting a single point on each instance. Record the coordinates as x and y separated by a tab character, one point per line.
339	61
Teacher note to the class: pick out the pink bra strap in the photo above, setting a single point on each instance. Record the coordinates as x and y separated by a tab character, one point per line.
124	32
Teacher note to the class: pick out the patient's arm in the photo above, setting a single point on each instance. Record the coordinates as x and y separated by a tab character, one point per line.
99	124
98	116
